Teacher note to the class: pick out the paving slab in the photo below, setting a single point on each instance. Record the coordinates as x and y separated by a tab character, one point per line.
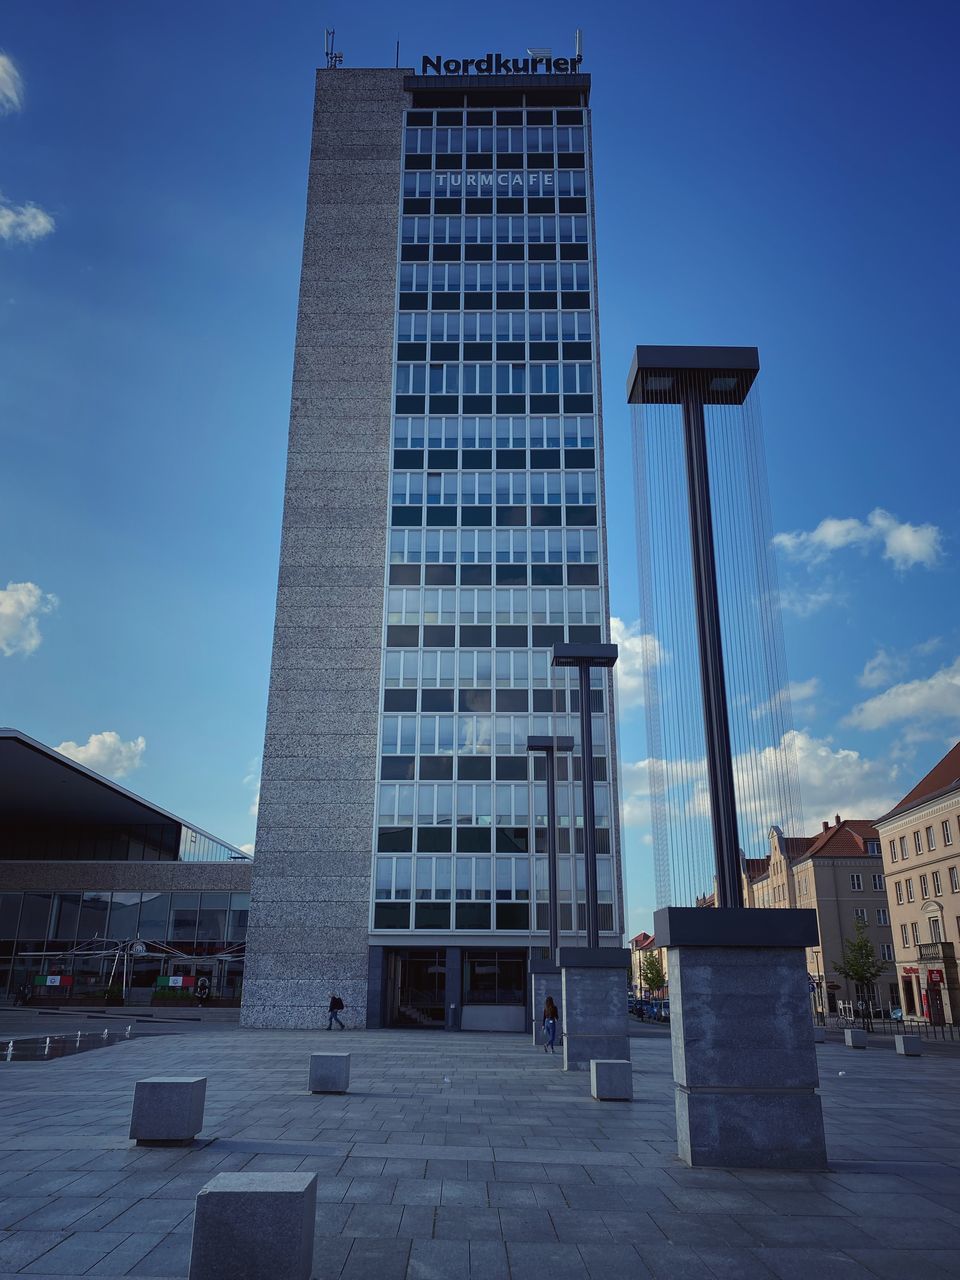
471	1158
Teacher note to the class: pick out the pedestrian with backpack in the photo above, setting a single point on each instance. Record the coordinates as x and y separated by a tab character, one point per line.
336	1004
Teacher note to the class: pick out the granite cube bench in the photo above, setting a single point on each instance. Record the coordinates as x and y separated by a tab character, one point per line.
168	1110
329	1073
908	1046
854	1038
611	1079
255	1225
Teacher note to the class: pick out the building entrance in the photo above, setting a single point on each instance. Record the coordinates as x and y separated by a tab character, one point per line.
416	988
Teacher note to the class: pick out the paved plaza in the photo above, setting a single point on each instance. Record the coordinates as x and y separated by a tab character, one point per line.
459	1156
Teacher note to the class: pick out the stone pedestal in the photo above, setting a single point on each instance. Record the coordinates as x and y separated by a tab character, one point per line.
329	1073
744	1061
908	1046
253	1225
545	980
819	1035
594	989
168	1110
611	1081
854	1038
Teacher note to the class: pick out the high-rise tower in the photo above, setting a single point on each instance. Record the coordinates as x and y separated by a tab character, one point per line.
443	529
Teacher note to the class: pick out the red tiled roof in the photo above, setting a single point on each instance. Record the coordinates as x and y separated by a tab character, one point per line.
944	776
643	939
847	840
756	868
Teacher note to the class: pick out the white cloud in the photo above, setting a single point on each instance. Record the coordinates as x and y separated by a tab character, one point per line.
22	604
11	86
796	693
638	652
935	698
252	780
23	223
803	603
881	669
107	753
245	848
832	780
888	665
903	544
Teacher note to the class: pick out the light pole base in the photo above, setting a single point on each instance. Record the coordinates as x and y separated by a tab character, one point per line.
594	982
544	981
744	1062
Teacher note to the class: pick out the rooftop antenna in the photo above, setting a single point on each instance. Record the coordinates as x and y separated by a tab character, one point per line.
334	59
578	44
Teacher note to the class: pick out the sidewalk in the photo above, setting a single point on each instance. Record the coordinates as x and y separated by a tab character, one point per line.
474	1156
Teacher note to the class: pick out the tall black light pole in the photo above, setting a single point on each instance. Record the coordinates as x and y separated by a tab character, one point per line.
549	747
693	377
584	657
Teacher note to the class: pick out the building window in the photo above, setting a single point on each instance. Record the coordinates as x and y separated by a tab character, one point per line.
873	848
886	950
931	843
878	883
954	880
856	883
433	879
917	842
473	879
947	833
903	848
860	914
909	889
893	850
924	889
883	915
396	804
393	879
905	935
936	933
899	888
937	886
915	933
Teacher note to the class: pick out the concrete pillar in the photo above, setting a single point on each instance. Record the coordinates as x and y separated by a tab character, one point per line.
454	988
594	991
376	987
744	1061
545	980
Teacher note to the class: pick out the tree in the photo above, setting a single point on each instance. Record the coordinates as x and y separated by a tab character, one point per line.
860	963
652	973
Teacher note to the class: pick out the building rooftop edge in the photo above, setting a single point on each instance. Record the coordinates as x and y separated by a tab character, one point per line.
17	735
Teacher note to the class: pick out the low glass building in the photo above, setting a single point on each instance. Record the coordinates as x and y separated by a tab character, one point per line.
104	895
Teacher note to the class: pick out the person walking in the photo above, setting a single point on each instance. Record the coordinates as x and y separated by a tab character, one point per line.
551	1019
336	1004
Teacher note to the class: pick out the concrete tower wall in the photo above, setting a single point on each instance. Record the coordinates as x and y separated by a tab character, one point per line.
311	878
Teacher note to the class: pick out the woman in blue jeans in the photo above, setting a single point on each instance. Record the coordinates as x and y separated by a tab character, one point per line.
551	1020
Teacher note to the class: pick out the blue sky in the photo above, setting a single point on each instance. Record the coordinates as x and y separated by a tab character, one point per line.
766	174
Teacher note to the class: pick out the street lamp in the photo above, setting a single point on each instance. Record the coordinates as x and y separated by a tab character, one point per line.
693	377
584	657
549	747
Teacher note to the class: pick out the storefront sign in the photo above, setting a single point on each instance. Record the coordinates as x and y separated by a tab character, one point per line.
495	64
910	970
935	977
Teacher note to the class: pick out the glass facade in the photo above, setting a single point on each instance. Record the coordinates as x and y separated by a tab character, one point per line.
47	932
495	534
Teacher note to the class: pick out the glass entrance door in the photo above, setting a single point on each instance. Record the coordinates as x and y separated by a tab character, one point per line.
417	986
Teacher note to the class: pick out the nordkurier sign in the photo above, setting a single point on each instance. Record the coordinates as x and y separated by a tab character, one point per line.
495	64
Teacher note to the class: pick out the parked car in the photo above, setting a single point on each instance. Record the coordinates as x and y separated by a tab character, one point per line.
659	1010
